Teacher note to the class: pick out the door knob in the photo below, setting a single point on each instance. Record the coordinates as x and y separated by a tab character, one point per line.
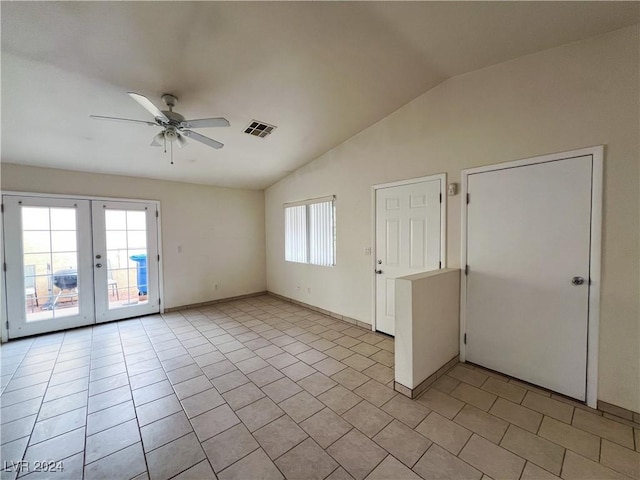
379	272
577	281
98	265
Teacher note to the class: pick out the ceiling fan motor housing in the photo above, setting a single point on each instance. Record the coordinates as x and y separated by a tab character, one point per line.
174	118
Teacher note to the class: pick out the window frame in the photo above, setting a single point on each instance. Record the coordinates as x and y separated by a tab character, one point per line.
307	229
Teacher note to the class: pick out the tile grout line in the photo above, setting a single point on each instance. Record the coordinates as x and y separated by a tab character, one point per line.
41	402
235	319
133	404
16	369
517	455
206	457
274	420
600	450
241	423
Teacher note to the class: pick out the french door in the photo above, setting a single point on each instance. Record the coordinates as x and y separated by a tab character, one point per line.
72	262
49	275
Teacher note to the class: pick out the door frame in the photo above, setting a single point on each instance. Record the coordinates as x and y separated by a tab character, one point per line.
84	270
442	177
98	219
4	315
595	254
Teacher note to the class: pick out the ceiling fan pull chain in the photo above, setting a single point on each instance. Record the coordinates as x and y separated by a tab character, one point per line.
171	148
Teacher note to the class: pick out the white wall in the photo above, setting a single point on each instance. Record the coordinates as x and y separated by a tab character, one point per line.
220	230
570	97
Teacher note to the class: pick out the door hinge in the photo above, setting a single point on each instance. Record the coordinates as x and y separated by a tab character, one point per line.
159	301
466	269
439	264
156	213
465	338
158	257
440	198
4	266
468	198
7	324
2	207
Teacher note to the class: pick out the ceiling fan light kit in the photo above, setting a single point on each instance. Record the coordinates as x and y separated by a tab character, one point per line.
174	126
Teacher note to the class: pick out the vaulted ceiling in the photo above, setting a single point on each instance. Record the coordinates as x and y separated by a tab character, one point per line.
319	71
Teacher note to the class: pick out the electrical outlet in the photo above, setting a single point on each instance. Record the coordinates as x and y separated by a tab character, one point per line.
215	286
367	250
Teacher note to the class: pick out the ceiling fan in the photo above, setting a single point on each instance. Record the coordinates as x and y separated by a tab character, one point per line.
174	126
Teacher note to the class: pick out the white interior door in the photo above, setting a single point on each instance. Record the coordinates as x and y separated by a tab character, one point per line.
125	258
528	247
408	240
48	264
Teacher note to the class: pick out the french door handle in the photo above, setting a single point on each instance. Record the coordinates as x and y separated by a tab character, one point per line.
378	272
577	281
98	265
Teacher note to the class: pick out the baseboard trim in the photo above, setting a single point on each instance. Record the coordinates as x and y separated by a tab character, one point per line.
337	316
427	382
214	302
607	409
619	412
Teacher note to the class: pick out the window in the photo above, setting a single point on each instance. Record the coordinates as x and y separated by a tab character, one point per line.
310	231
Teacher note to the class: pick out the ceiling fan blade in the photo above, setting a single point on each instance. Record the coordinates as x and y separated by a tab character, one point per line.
180	141
116	119
157	140
205	122
148	106
201	138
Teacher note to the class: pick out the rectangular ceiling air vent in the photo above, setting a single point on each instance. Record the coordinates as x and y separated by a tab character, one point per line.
259	129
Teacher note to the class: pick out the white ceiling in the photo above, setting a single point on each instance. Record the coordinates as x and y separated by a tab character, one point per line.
321	72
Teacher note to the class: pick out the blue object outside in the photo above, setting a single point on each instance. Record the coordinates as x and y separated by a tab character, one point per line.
141	260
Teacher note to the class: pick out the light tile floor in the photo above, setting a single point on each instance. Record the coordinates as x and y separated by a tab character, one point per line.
261	388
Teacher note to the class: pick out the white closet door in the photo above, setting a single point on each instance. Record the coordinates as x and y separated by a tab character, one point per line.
528	250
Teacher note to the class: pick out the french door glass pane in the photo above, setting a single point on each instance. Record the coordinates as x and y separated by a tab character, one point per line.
126	236
50	262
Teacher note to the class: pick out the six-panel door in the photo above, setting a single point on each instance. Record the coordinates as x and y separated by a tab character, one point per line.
407	240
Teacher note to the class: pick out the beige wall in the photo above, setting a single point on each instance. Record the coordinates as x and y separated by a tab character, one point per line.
570	97
220	230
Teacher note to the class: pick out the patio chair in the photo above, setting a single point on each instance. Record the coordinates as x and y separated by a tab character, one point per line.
30	289
112	284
